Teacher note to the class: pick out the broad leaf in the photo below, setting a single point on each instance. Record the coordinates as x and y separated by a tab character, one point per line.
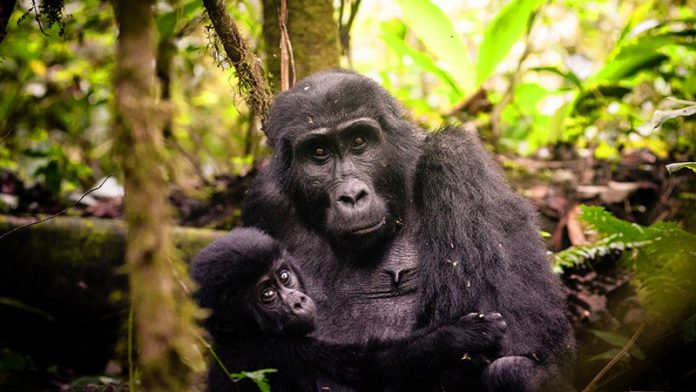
437	33
507	27
675	167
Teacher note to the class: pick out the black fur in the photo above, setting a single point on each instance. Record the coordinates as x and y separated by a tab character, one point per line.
456	238
245	338
249	337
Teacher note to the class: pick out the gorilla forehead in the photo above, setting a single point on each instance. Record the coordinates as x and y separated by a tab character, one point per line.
327	99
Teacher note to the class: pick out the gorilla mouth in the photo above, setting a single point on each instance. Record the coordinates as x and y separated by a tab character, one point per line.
368	229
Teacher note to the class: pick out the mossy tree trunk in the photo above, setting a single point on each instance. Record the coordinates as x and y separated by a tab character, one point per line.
164	315
313	34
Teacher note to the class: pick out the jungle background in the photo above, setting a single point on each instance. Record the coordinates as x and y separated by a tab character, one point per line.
587	105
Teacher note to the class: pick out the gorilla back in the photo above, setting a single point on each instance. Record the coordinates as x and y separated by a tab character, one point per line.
398	230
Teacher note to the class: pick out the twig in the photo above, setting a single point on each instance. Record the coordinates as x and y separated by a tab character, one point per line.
38	19
287	59
344	28
66	209
508	95
6	135
592	386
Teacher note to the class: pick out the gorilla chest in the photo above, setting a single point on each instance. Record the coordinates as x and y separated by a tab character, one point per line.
378	301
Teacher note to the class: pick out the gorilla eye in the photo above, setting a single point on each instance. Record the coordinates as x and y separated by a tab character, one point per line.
358	142
268	295
320	154
284	277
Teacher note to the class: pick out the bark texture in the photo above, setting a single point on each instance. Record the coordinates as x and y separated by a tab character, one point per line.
313	34
165	325
248	68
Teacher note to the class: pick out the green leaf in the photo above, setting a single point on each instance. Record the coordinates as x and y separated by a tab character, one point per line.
641	54
569	76
391	37
628	65
619	341
607	224
437	33
167	23
675	167
507	27
258	377
21	305
608	356
528	96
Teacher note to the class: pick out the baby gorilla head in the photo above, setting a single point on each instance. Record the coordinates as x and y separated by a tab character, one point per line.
252	286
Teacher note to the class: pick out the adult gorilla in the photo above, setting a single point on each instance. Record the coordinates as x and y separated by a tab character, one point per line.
397	230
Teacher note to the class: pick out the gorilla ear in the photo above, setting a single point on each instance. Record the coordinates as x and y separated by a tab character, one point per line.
270	138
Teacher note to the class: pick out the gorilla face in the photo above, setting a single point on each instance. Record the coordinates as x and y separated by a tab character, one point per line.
279	303
339	165
340	154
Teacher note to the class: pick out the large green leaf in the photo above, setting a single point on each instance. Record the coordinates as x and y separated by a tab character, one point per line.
391	37
437	33
675	167
507	27
643	53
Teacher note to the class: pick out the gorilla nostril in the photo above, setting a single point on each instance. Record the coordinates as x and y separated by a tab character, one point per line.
362	195
345	199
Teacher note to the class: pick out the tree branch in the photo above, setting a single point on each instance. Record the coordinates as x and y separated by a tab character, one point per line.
248	68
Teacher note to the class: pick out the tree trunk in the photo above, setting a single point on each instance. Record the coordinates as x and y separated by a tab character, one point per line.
313	34
164	315
6	7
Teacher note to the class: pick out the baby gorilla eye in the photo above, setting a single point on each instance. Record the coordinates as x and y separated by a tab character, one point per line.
358	141
268	295
320	154
284	277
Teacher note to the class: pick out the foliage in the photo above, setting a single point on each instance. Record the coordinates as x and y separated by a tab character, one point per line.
617	342
258	377
675	167
589	76
57	98
662	258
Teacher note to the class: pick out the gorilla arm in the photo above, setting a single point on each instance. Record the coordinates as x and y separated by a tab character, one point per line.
481	252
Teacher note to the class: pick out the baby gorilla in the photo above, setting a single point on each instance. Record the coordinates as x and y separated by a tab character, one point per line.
260	313
261	318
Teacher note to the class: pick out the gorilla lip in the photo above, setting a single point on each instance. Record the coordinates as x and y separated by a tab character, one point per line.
369	229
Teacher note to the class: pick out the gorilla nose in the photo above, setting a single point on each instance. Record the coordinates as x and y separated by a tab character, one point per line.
352	195
300	302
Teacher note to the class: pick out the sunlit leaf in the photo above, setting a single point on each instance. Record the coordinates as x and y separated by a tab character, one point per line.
675	167
437	33
627	66
507	27
568	76
166	24
423	60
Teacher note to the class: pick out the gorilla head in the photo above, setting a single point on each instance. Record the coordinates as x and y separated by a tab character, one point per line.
253	287
341	146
